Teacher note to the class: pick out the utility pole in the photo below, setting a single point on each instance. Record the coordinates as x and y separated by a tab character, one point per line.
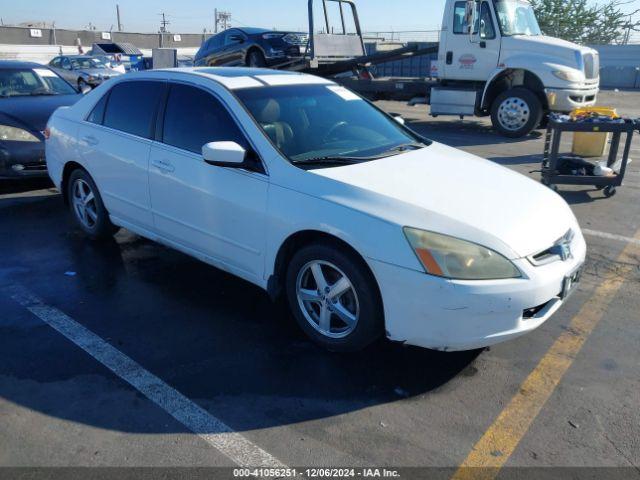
163	23
222	21
118	15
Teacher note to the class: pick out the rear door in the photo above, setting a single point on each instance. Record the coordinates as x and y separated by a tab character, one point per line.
215	212
115	141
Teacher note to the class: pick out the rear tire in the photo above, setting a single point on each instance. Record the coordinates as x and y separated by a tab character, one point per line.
516	112
87	207
341	322
256	59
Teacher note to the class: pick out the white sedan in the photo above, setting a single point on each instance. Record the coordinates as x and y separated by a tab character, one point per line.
303	188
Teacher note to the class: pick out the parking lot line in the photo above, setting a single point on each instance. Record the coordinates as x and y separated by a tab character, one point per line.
610	236
209	428
500	440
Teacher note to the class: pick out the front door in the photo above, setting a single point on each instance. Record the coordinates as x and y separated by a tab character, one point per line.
216	212
471	57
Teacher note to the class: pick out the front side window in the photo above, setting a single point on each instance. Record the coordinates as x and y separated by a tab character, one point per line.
460	18
37	81
314	123
516	17
194	118
132	107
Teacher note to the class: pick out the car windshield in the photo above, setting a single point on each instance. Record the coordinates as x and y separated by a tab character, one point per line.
326	124
516	18
79	63
16	82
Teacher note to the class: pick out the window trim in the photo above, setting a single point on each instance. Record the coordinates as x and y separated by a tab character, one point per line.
159	137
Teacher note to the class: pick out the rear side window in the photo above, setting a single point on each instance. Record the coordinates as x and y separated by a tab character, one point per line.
194	118
132	107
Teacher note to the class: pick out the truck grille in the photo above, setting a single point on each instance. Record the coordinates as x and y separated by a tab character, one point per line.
591	65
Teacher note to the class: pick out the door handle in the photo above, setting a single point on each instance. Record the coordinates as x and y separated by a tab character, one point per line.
449	58
163	165
90	140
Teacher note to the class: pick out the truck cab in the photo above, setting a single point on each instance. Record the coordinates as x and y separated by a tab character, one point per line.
494	60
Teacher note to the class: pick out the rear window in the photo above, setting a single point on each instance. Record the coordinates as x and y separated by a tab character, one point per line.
132	107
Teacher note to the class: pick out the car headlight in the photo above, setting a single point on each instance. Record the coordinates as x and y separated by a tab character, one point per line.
572	76
271	36
449	257
14	134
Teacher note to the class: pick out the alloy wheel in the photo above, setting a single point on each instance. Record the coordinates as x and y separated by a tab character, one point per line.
84	204
327	299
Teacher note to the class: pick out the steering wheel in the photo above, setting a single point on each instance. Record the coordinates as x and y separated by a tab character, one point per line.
332	130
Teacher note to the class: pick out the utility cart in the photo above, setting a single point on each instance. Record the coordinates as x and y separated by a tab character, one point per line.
552	171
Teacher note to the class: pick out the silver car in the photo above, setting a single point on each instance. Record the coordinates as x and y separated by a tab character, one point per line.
83	70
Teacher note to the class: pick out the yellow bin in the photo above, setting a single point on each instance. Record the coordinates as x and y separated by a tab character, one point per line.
588	144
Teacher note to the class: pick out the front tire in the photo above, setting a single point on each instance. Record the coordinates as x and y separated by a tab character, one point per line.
516	112
256	59
334	298
87	207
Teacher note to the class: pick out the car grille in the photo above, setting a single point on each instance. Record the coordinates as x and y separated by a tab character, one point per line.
591	65
297	39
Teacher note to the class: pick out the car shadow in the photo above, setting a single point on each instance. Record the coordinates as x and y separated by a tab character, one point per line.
215	338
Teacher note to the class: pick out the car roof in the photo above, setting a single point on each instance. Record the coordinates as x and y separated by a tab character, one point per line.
20	64
236	78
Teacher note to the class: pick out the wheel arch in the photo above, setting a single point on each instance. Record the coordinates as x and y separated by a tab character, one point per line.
254	48
69	168
508	78
300	239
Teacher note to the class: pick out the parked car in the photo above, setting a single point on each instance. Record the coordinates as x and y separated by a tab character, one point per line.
300	186
83	70
253	47
29	93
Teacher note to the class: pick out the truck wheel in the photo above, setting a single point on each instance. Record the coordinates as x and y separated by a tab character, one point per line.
516	112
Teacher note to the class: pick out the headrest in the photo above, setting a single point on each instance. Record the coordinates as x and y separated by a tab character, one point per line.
270	112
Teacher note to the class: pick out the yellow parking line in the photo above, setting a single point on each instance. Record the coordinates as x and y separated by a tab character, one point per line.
500	440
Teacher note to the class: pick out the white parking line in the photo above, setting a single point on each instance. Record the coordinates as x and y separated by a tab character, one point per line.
610	236
209	428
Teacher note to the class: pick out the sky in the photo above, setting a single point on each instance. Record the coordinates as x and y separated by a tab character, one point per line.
195	15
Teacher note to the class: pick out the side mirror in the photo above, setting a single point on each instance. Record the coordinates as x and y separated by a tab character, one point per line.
471	16
224	154
399	119
84	89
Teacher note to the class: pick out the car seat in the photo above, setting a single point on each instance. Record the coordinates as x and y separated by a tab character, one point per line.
278	131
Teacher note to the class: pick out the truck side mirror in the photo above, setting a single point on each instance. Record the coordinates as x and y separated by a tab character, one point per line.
472	14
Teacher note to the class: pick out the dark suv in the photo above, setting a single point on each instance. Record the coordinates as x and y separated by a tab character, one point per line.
253	47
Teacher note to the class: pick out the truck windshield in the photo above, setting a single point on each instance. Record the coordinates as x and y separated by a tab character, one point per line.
326	124
516	17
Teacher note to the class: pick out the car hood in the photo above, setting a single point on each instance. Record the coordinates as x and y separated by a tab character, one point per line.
448	191
33	112
542	45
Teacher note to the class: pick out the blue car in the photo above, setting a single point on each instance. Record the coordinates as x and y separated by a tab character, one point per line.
29	94
252	47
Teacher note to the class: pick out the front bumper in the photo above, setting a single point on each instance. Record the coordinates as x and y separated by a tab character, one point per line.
22	160
446	315
566	100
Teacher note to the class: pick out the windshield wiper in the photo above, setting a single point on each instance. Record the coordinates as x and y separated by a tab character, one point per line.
330	160
408	146
37	93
